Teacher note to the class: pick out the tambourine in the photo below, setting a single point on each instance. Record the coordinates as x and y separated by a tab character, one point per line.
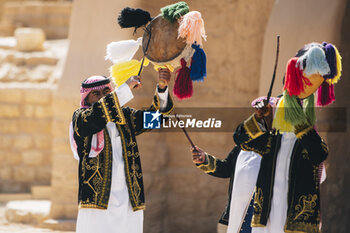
170	40
161	45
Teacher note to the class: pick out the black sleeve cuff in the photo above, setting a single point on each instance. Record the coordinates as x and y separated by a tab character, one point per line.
160	90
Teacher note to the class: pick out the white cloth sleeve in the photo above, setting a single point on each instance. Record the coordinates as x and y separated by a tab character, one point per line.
124	94
73	145
163	98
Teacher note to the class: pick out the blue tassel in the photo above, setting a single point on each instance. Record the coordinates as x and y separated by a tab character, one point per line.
198	64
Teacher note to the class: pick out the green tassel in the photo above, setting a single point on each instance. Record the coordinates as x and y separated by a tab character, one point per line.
294	113
309	109
175	11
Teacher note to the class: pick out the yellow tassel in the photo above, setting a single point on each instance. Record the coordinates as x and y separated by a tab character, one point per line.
167	66
339	68
279	122
122	71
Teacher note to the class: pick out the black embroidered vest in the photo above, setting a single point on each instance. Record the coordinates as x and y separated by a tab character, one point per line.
95	174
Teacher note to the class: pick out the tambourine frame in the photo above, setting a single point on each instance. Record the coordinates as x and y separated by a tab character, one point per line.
164	44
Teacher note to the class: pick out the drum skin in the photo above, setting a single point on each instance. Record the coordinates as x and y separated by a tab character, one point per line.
164	45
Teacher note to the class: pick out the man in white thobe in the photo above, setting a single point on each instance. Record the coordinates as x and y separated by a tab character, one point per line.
111	193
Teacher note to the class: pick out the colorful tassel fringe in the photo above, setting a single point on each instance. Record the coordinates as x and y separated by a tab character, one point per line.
123	50
294	113
279	121
331	60
309	109
339	68
133	17
183	84
325	62
315	60
192	28
325	94
175	11
294	79
124	70
198	64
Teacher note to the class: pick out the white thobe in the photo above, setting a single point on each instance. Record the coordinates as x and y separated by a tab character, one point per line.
279	203
119	216
246	173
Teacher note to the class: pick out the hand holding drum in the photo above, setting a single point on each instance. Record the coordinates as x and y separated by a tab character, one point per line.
134	82
163	77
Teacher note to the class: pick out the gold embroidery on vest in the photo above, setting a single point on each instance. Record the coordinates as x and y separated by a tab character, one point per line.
133	185
305	154
86	113
105	166
105	111
258	204
258	200
305	208
120	113
85	154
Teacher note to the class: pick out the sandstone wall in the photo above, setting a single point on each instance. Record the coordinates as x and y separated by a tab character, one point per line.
32	67
25	137
336	189
52	16
179	197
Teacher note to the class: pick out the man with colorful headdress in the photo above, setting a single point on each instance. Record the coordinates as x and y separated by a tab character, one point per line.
102	136
287	194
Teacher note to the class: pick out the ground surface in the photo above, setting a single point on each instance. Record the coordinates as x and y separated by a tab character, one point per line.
20	228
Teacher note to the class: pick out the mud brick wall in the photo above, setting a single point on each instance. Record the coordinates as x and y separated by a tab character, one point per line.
25	137
52	16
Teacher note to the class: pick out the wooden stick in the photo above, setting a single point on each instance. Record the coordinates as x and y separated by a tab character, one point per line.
274	69
185	132
144	53
273	78
146	49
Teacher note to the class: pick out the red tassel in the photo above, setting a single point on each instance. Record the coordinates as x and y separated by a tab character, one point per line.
325	94
183	84
295	80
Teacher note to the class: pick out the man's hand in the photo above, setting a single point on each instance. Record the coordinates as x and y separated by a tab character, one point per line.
198	155
263	110
134	82
163	77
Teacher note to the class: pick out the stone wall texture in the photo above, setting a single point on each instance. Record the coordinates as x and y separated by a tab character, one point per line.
336	189
32	67
25	137
51	16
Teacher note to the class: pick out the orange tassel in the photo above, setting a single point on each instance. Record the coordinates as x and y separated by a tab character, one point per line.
192	28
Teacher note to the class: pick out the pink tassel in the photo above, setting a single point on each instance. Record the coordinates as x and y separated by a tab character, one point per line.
183	84
325	94
192	28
